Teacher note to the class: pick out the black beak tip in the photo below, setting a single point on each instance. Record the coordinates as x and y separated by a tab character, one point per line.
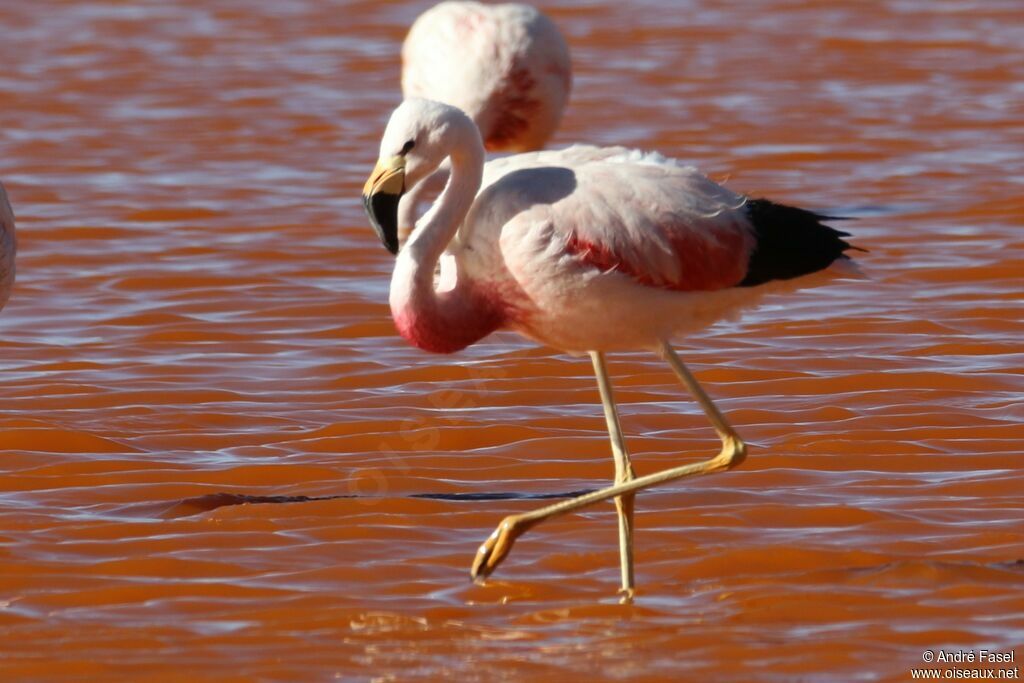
382	210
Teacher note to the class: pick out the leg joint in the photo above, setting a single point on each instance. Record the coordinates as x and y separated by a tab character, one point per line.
734	451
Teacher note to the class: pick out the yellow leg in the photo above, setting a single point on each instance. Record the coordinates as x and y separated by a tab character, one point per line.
623	473
498	544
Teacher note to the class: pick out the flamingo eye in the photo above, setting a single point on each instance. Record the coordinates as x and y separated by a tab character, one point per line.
406	147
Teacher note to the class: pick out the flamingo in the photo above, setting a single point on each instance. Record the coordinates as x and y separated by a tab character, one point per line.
507	66
8	247
588	250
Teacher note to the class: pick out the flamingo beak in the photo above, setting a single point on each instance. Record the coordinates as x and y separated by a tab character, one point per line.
381	193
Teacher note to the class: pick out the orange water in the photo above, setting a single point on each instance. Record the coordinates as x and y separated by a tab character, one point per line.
200	321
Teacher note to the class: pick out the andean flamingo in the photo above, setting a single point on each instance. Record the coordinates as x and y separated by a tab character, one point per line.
587	250
8	247
507	66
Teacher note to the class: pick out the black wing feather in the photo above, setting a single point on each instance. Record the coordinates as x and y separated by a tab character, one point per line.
790	242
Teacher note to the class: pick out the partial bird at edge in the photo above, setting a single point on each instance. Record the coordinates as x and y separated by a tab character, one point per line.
506	65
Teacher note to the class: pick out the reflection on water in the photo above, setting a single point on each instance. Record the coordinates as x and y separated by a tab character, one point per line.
200	334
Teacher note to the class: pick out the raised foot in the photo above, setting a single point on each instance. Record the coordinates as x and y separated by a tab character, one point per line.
496	547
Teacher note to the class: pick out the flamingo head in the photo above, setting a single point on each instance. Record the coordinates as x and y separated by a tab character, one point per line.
419	136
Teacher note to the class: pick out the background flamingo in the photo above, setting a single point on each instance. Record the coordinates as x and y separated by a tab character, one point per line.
587	250
8	247
507	66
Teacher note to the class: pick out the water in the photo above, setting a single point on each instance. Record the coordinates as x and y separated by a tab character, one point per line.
213	441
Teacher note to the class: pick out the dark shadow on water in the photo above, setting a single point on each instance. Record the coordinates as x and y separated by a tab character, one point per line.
187	507
500	495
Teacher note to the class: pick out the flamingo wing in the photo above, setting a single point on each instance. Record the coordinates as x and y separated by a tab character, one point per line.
662	224
614	211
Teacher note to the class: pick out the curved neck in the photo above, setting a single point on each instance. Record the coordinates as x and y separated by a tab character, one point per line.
421	192
443	322
439	225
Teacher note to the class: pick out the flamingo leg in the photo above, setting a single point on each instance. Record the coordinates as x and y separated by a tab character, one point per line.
498	544
623	473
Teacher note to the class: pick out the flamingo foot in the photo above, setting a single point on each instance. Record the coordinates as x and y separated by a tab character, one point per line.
496	547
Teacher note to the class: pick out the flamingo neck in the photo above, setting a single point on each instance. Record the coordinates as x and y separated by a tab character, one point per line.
450	320
421	192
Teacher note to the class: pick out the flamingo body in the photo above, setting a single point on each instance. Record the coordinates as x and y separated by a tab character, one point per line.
507	66
8	247
583	249
597	249
588	250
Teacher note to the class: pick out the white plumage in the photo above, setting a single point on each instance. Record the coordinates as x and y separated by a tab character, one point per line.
507	66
